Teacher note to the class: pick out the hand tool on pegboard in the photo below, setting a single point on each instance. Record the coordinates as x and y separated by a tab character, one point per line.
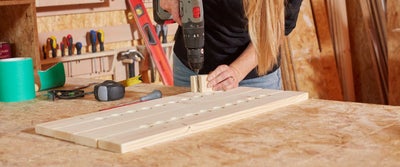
130	57
100	38
47	48
162	18
152	43
78	47
62	48
92	41
66	45
54	46
70	45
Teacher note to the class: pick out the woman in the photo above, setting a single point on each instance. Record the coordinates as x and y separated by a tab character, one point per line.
242	39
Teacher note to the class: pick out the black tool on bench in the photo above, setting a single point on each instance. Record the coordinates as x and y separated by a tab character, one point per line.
66	94
109	91
106	91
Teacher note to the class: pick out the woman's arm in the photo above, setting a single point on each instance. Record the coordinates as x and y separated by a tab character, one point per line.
226	77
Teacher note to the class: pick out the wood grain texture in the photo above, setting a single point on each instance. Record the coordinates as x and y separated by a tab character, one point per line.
46	3
18	27
136	126
312	133
198	83
367	83
313	60
81	8
194	86
393	31
340	35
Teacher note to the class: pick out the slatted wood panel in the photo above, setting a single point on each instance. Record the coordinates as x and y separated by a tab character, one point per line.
393	30
341	44
136	126
309	53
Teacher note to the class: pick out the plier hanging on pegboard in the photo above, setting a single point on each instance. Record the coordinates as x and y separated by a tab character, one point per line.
162	32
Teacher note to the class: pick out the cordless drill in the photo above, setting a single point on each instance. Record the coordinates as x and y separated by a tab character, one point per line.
191	13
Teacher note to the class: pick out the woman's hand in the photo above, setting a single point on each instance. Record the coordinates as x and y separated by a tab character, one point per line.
172	7
224	77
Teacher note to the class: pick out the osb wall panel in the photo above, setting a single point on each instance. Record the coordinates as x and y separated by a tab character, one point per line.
366	84
18	27
313	59
393	35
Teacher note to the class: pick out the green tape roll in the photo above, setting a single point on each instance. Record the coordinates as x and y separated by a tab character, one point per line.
16	80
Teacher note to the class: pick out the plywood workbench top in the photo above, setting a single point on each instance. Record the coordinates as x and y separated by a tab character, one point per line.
311	133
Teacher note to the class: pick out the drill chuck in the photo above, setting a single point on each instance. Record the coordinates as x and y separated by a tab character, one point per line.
196	59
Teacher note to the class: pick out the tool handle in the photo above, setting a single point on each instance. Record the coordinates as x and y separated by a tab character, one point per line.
93	39
78	46
100	38
151	96
53	44
70	44
62	48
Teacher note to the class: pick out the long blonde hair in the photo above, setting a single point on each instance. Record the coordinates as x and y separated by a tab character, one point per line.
266	30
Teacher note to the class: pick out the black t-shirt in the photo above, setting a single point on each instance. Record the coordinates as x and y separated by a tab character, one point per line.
226	35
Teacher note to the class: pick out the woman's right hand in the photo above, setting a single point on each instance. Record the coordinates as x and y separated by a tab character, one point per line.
172	7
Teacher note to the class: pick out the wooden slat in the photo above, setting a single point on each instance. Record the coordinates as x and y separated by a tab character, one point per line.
15	2
287	70
52	128
46	3
195	122
393	44
136	126
341	42
373	25
86	8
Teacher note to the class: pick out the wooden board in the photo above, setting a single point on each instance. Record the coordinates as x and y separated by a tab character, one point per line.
46	3
341	44
393	36
136	126
364	63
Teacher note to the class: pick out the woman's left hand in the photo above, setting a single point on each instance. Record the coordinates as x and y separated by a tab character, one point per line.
224	77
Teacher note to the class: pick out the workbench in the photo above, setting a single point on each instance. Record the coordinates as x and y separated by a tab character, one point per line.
311	133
